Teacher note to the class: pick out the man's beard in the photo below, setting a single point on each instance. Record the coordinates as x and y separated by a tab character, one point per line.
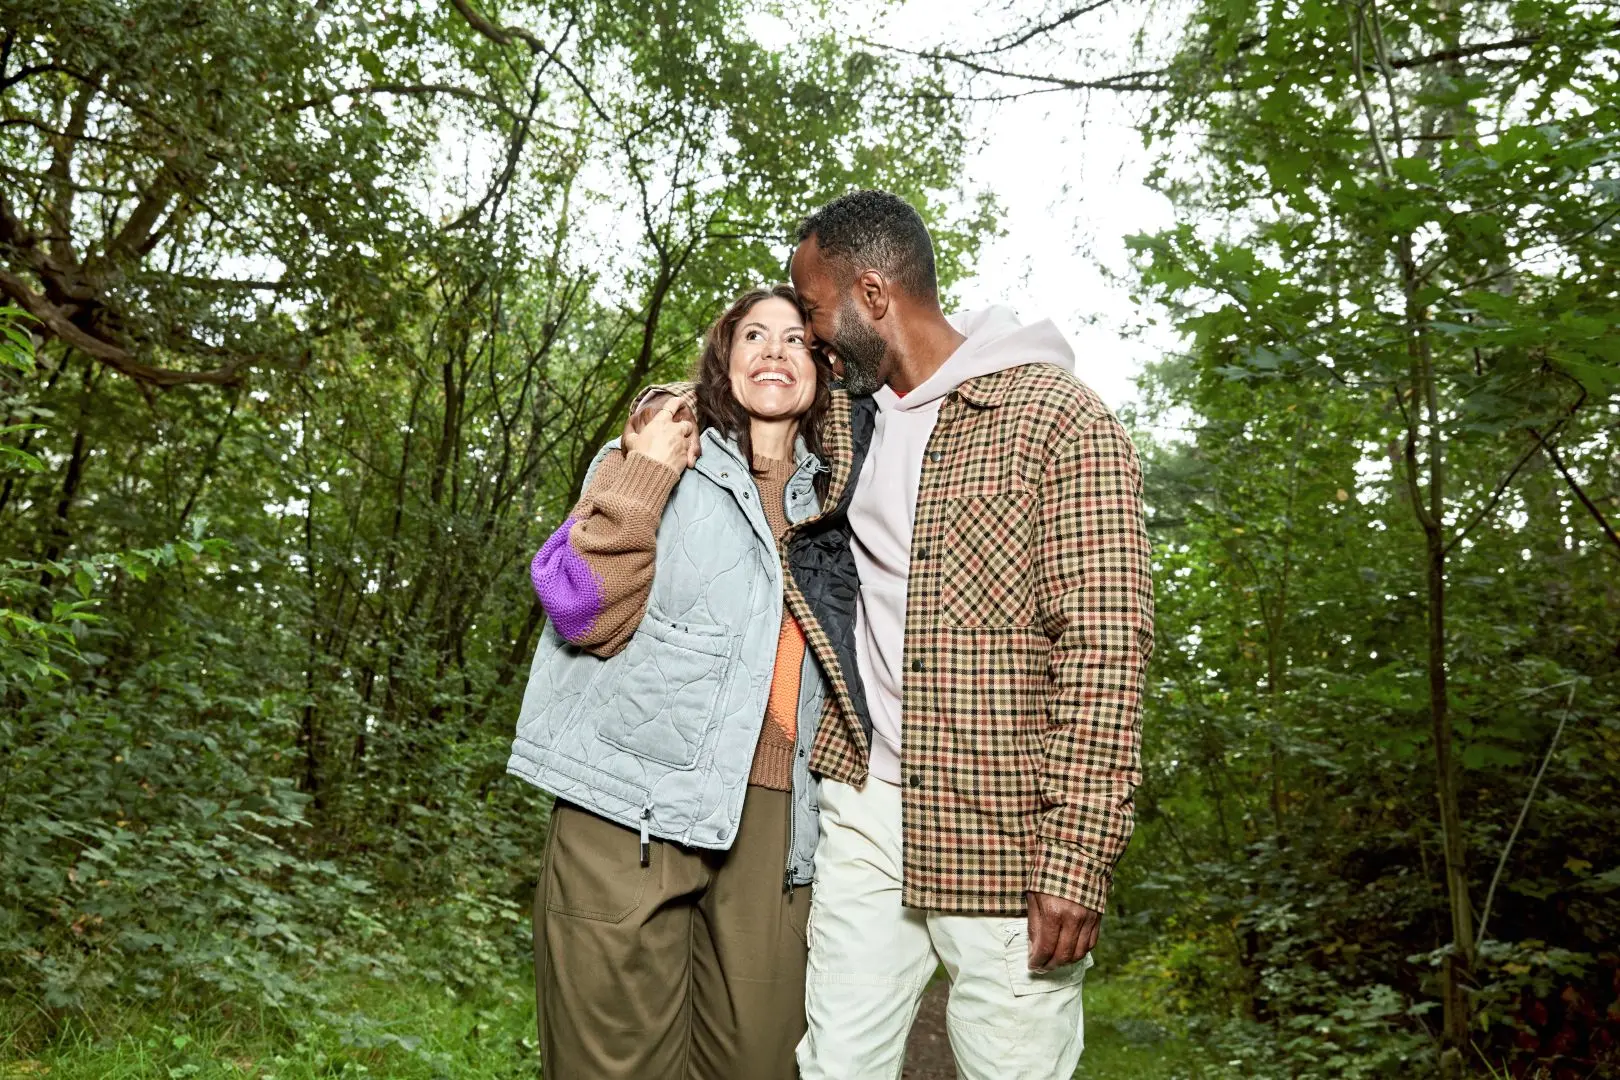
861	348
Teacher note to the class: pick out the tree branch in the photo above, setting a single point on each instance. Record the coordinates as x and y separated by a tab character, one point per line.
507	35
113	355
1524	811
1124	82
1024	37
1580	493
1490	503
1463	52
403	90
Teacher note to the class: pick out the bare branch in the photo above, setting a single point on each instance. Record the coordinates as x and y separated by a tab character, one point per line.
1524	811
1463	52
507	35
1024	37
1495	498
193	281
1366	99
1381	54
1580	492
402	90
1151	80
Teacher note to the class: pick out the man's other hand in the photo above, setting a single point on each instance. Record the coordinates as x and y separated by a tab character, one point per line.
1061	932
652	406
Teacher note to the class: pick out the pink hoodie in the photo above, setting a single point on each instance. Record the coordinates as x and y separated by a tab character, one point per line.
885	502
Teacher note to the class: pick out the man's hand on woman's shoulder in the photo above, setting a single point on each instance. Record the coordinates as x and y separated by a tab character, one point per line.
664	430
669	402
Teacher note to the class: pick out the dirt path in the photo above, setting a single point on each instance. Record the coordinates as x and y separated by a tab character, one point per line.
928	1049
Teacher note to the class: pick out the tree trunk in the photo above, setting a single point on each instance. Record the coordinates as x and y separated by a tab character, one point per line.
1457	970
1458	966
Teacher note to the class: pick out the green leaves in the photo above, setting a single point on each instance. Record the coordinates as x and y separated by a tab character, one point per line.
1396	282
257	641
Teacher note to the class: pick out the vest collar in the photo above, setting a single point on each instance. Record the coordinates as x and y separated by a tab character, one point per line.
723	445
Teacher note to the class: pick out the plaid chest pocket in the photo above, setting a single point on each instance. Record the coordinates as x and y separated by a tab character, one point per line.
988	566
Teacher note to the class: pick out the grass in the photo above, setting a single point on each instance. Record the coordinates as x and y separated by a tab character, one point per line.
1123	1042
418	1031
398	1031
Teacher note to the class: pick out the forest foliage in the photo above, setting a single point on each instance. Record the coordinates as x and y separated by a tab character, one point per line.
332	307
319	310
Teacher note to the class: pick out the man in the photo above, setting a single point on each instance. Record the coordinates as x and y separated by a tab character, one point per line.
981	748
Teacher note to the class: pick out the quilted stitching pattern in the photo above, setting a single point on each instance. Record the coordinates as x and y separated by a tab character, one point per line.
663	702
672	720
1022	741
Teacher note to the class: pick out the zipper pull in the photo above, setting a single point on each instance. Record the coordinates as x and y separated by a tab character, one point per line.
646	846
787	883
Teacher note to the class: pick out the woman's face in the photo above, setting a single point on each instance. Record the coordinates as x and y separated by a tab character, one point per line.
772	375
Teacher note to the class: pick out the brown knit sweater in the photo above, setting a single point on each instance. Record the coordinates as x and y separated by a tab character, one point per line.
614	529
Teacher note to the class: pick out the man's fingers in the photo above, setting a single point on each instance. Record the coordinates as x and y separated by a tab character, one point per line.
676	408
1061	932
1041	941
1066	951
653	405
1089	932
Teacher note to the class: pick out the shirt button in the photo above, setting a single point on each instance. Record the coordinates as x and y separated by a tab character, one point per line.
922	553
935	456
916	665
916	780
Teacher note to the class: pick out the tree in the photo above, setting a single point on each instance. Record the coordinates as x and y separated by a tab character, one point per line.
399	271
1416	215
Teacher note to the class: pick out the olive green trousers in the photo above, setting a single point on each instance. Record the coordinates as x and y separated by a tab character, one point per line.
690	968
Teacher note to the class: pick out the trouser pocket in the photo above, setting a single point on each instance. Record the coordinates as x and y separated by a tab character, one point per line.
1024	981
593	867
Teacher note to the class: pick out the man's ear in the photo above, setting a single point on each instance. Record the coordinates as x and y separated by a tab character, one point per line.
874	292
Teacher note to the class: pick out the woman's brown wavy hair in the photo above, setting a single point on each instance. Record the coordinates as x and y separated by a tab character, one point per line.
718	407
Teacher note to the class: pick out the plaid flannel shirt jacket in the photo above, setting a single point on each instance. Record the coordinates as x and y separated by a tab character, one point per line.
1029	622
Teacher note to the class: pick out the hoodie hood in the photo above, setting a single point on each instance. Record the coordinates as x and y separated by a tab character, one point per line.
996	341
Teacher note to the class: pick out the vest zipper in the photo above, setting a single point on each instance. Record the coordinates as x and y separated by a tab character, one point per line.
646	845
787	872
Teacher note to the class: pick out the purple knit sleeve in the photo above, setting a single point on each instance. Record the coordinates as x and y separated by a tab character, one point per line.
568	589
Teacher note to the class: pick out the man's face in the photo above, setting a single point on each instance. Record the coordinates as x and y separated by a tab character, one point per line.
838	323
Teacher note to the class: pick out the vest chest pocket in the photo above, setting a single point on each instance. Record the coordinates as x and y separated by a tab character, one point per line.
669	694
987	564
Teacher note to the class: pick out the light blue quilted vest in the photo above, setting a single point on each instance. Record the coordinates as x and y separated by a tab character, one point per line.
660	737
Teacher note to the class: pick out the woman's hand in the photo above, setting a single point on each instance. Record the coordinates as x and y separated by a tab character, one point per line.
668	436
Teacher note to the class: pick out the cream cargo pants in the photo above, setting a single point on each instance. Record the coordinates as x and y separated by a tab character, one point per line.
870	959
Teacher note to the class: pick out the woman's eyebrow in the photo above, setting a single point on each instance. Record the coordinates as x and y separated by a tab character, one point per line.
762	326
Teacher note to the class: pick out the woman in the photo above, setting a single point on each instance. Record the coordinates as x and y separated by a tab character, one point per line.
670	709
